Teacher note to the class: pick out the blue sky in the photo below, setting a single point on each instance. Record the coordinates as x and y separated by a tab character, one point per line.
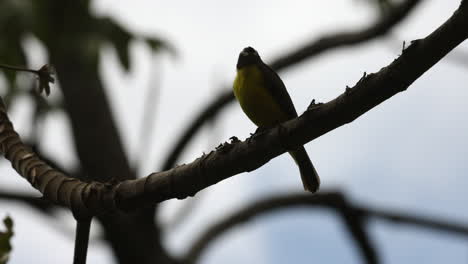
409	153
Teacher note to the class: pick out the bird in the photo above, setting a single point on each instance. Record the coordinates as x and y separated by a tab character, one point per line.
263	97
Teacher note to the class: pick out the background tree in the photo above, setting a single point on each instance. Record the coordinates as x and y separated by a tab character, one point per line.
73	37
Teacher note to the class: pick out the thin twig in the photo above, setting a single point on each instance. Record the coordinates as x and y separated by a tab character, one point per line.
440	225
15	68
38	203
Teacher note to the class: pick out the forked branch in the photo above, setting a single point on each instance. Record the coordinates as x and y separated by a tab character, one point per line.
233	158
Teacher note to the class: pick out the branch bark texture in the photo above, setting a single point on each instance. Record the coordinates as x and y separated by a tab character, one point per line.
235	157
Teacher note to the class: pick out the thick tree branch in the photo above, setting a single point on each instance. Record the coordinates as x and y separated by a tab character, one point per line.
333	200
307	51
371	90
232	158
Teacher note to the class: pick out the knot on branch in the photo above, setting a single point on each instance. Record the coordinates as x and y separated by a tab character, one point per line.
313	105
365	77
77	202
225	147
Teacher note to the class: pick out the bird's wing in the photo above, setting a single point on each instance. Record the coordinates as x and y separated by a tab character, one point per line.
277	89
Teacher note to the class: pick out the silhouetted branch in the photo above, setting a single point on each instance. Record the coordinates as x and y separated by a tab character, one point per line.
457	56
327	200
38	203
207	114
44	74
332	200
410	219
355	224
307	51
232	158
83	227
336	40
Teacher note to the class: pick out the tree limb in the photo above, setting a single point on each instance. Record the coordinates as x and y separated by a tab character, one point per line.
332	200
232	158
83	227
417	221
371	90
307	51
95	134
355	224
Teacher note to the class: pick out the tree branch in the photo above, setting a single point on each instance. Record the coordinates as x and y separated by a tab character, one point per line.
44	74
417	221
38	203
355	224
458	56
83	227
333	200
337	40
307	51
371	90
232	158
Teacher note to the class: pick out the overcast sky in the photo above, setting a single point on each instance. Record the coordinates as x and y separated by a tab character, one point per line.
409	153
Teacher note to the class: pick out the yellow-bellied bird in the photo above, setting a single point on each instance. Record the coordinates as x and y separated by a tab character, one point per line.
264	99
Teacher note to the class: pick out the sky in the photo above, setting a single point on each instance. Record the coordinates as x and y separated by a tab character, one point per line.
408	154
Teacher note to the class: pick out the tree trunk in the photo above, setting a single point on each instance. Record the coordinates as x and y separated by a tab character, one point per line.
134	237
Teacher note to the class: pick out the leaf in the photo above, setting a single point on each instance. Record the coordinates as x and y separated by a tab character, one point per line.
158	45
5	238
123	53
45	77
119	38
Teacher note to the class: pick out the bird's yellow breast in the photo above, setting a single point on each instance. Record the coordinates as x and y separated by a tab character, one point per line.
255	99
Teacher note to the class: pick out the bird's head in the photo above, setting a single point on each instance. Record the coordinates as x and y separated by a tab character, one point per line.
248	56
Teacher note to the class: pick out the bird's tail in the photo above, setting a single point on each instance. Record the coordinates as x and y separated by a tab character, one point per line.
309	176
